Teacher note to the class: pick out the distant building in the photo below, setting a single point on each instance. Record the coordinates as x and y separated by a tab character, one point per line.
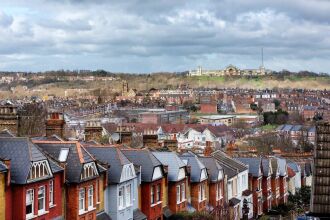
230	70
9	118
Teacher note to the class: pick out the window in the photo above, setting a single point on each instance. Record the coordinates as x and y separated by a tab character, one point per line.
29	203
128	195
90	197
152	196
51	192
81	200
121	197
202	196
89	170
219	191
183	192
63	154
39	169
41	199
158	193
178	199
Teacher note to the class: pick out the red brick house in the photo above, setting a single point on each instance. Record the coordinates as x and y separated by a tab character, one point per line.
275	182
176	181
283	171
255	182
198	181
83	178
266	184
215	182
152	176
34	182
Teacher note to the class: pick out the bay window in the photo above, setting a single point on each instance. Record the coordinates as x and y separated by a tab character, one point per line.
158	193
178	199
128	195
121	197
152	195
29	203
90	197
202	195
81	200
51	192
41	199
183	192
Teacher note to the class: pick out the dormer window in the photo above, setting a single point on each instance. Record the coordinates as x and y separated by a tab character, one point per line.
89	170
127	172
39	170
63	154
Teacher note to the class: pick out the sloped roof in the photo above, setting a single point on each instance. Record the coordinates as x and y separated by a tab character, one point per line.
212	166
76	158
138	215
223	158
254	164
173	162
6	133
145	159
3	167
112	156
275	166
196	166
21	153
266	167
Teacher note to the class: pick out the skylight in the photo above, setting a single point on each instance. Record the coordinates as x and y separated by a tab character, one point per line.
63	154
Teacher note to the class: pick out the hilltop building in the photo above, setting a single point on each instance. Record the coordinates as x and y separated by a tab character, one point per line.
230	70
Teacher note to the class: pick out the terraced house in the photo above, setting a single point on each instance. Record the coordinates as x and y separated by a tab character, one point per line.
176	181
34	182
152	177
121	191
83	178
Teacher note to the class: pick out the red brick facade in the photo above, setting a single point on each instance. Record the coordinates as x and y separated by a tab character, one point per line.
275	181
283	190
153	210
16	198
172	197
267	193
213	190
197	201
209	108
72	201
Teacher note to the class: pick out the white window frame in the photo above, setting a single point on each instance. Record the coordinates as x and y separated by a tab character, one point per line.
183	192
121	197
39	170
152	195
89	170
51	193
178	194
90	197
81	199
128	195
43	198
158	193
29	193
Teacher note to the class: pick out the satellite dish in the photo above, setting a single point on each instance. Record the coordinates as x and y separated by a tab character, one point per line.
115	137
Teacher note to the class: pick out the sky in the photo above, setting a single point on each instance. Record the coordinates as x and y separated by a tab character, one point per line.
143	36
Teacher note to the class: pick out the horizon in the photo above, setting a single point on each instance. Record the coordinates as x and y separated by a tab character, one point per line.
164	36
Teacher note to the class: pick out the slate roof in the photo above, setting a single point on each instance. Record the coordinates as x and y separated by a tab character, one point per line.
145	159
275	166
112	156
230	166
294	166
212	166
138	215
282	166
173	162
196	166
102	216
76	158
21	152
266	167
254	164
3	167
6	133
53	137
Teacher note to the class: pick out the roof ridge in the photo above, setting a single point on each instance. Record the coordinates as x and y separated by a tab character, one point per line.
78	147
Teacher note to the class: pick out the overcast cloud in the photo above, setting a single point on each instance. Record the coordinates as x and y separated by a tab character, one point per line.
164	35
